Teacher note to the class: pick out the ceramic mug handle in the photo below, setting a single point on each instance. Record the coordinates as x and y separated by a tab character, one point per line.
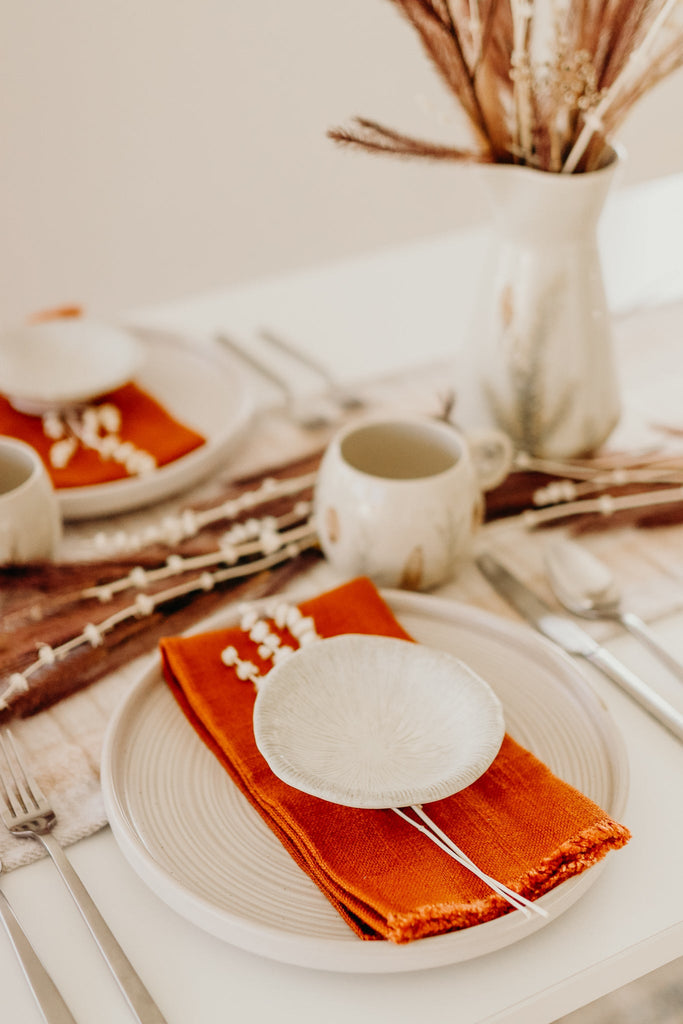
492	453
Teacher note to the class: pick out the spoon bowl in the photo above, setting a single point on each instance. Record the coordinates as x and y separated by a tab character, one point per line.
581	582
586	587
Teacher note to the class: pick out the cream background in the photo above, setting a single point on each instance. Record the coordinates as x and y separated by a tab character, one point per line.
151	150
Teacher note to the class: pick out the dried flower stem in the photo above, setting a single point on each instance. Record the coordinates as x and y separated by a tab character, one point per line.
171	530
550	103
522	15
476	33
268	540
567	490
634	66
146	604
46	605
605	505
589	469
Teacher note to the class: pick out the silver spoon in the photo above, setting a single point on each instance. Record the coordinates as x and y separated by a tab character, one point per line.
586	587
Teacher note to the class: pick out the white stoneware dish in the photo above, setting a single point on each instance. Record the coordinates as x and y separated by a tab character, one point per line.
373	721
65	362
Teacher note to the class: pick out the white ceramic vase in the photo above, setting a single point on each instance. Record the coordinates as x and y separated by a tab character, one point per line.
542	330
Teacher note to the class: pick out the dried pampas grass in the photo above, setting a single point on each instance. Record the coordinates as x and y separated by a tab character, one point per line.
543	83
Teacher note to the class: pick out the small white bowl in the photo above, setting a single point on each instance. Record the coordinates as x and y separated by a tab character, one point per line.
61	363
371	721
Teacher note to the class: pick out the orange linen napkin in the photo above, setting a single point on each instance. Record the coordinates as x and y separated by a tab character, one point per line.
144	424
518	822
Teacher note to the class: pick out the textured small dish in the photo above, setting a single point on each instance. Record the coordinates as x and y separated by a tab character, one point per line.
65	362
369	721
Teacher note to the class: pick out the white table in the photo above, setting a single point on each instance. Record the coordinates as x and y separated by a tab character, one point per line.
380	313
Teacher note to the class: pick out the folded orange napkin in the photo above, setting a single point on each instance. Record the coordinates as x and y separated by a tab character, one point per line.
518	822
144	424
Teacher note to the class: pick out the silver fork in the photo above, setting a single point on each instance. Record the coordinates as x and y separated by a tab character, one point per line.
343	396
52	1006
309	419
27	812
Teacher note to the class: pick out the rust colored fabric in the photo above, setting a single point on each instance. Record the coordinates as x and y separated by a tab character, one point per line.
518	822
67	312
144	423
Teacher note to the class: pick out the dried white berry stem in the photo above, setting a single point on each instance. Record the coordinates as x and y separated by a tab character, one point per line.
605	505
144	605
267	541
558	491
589	470
171	530
94	428
269	646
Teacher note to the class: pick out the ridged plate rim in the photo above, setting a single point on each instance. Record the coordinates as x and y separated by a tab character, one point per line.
237	883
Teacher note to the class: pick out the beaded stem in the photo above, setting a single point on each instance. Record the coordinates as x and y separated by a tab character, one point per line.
171	530
267	540
94	428
567	490
269	645
145	604
604	505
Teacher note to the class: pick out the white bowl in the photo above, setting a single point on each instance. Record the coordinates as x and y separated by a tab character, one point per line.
65	362
371	721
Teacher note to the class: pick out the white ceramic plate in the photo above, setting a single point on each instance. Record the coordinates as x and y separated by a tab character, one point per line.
352	721
65	361
194	839
202	386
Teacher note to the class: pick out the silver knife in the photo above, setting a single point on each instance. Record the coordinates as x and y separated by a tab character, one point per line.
574	640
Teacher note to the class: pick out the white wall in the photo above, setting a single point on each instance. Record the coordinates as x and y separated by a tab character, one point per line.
150	149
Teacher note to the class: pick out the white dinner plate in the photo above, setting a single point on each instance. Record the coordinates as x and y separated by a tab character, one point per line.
201	847
203	387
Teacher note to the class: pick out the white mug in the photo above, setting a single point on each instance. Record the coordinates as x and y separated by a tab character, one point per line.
30	519
399	499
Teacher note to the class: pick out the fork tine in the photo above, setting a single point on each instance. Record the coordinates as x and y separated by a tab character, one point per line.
38	821
29	796
11	803
35	792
